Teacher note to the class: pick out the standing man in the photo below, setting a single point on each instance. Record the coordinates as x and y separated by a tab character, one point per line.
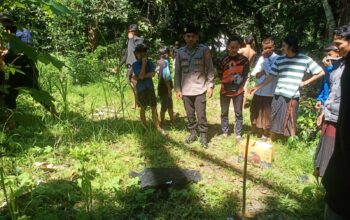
233	71
129	57
336	179
248	50
260	109
194	79
289	70
250	53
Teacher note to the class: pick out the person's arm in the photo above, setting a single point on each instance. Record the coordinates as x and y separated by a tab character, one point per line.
143	68
321	95
258	68
150	74
312	79
178	76
273	73
166	76
245	72
315	70
125	56
210	71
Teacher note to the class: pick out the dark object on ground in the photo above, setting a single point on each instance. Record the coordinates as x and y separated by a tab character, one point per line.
166	177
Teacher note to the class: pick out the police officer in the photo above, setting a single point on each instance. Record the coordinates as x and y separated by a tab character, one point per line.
129	57
194	79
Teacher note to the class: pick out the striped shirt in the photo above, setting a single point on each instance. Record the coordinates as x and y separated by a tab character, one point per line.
290	72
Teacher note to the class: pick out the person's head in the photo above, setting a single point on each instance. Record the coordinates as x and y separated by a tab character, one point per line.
332	51
342	39
140	51
8	22
249	40
191	36
290	45
268	46
164	53
233	45
133	30
177	45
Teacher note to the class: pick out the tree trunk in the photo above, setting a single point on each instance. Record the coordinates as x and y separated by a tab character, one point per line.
344	12
330	18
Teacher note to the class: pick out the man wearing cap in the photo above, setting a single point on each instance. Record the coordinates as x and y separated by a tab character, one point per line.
194	78
129	57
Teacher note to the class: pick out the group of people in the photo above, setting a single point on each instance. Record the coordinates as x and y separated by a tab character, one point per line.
275	100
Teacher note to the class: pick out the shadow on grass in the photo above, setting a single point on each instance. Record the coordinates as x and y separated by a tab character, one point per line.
133	203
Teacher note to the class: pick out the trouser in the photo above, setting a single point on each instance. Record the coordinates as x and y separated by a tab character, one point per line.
238	107
196	105
16	81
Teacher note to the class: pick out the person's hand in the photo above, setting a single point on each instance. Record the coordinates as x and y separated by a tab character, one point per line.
327	62
210	92
179	94
253	91
259	74
134	77
319	120
318	105
130	35
144	59
302	84
266	53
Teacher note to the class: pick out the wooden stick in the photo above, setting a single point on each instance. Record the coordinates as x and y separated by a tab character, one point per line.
245	176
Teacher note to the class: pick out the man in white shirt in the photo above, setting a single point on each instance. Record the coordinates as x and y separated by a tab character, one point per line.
260	110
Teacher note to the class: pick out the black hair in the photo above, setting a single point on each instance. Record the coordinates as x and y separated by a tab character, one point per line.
234	38
249	40
141	48
292	42
164	50
268	40
343	31
133	27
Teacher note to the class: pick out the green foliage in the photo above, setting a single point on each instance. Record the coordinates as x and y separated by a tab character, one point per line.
307	114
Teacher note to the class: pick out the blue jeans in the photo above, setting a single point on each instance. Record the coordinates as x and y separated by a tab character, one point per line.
238	106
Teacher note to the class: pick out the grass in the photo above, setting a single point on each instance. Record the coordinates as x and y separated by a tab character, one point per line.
95	148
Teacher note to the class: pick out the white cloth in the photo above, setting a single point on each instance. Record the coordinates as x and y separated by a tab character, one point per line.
265	64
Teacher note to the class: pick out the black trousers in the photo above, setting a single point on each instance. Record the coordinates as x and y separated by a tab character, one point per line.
196	105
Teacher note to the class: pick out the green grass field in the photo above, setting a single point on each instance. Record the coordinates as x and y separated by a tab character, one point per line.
87	154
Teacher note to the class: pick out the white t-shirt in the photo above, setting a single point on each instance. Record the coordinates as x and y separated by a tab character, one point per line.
265	64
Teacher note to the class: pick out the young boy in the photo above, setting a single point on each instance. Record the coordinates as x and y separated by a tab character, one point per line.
143	71
330	63
260	108
165	86
233	71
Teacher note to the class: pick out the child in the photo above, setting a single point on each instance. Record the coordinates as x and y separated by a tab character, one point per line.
260	108
143	70
165	86
330	62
